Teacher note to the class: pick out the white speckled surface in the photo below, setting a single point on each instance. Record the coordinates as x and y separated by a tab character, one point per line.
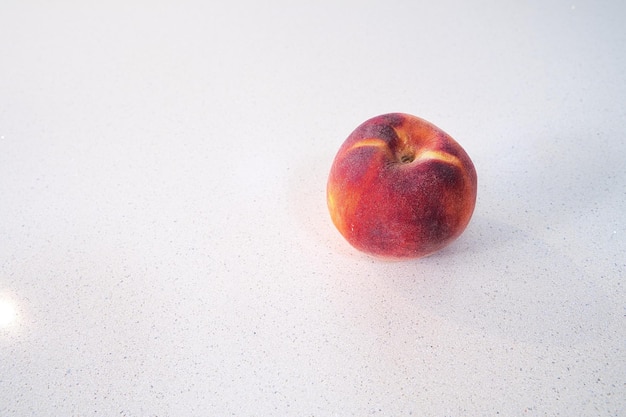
165	248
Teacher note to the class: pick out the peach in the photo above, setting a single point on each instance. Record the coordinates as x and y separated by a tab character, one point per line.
400	187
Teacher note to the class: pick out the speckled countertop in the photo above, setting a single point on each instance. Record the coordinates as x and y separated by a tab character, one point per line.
165	248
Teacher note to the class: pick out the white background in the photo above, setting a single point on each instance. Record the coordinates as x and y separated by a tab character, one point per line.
165	247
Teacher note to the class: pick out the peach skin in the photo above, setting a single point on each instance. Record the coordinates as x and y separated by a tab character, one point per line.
400	187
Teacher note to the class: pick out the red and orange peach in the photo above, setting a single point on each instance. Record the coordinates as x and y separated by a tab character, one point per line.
400	187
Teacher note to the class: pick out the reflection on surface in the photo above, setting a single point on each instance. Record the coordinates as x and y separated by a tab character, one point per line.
7	312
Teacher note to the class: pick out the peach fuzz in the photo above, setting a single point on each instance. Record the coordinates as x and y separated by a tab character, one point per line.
400	187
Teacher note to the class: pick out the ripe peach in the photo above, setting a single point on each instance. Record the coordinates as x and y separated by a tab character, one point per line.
400	187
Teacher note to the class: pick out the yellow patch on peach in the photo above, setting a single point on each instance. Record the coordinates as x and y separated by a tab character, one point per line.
439	156
370	142
338	214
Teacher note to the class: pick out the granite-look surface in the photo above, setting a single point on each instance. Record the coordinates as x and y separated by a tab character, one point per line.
165	248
